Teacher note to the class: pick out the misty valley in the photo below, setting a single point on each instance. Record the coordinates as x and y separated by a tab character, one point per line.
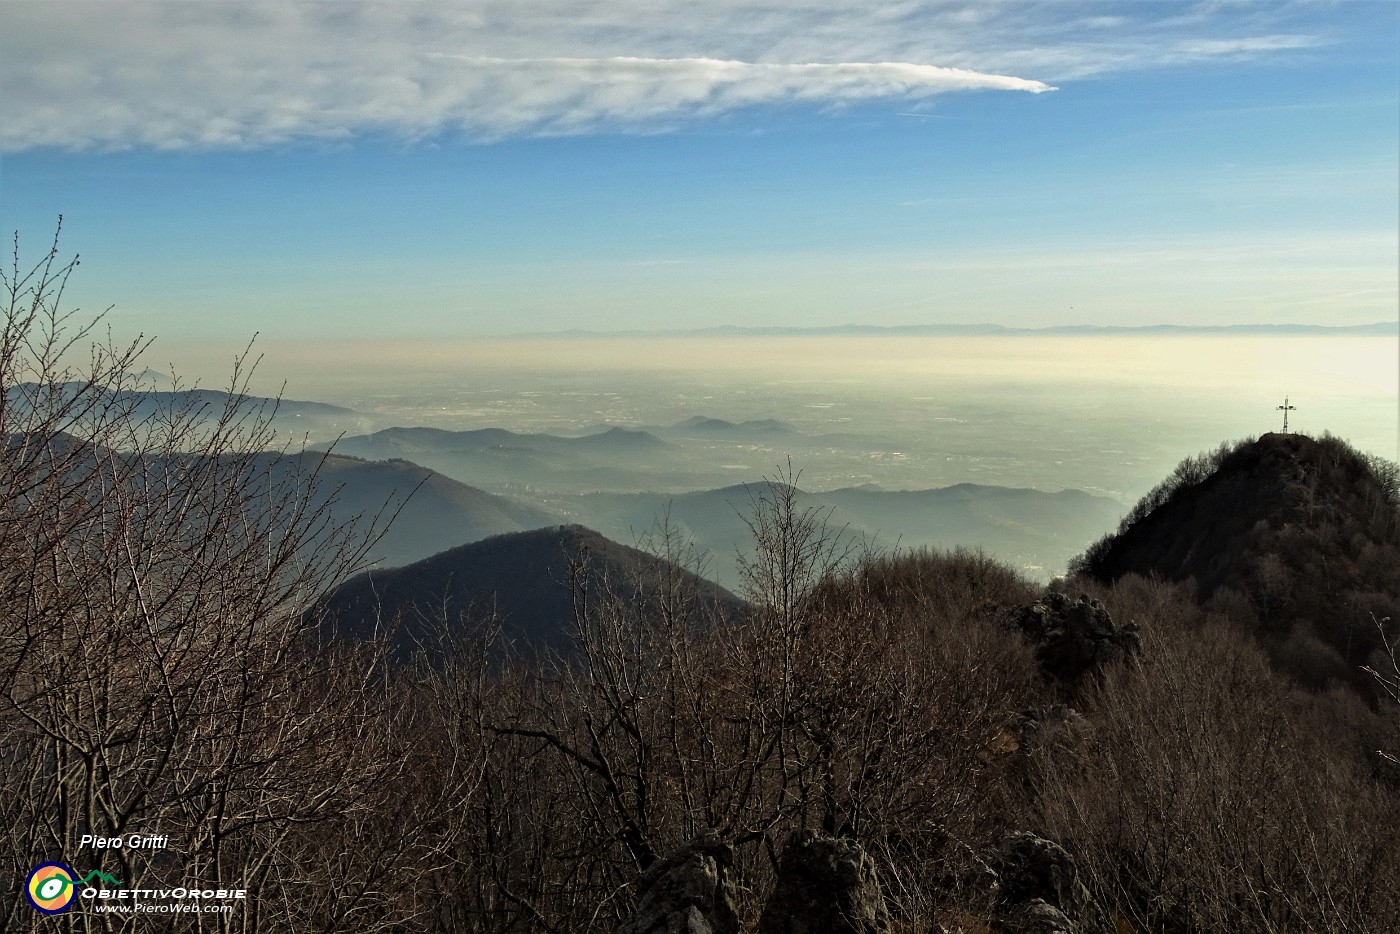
1026	446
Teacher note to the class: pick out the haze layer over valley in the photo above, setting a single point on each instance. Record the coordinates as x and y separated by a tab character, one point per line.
1108	415
1028	445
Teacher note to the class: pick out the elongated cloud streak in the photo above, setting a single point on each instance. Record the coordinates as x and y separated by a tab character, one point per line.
571	95
481	96
181	75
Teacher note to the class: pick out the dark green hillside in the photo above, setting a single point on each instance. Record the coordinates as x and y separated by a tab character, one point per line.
1297	537
527	579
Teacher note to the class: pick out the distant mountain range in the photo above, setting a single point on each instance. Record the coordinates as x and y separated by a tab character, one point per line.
289	417
1378	329
493	457
686	466
440	513
1034	530
591	479
698	453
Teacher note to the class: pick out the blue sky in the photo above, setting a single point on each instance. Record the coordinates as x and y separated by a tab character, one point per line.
449	169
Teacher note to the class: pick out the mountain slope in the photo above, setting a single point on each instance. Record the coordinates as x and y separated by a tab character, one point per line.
440	513
1297	537
290	417
525	578
430	512
501	459
1034	530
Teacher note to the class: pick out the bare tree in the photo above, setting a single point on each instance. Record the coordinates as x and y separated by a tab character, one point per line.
158	672
1385	670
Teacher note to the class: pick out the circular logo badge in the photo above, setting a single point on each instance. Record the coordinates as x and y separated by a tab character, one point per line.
51	888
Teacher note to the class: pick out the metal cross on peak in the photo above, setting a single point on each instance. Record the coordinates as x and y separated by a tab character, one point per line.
1285	409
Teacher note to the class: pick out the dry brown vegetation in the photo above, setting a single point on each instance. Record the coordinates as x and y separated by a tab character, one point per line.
159	672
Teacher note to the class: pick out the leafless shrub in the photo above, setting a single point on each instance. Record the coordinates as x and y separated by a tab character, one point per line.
1385	670
156	670
1210	795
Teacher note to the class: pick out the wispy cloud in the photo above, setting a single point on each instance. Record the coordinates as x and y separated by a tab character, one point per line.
255	73
1249	45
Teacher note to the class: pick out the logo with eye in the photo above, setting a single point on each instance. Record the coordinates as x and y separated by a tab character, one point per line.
50	888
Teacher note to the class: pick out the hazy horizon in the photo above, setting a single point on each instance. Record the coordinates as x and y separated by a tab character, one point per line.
1107	414
365	186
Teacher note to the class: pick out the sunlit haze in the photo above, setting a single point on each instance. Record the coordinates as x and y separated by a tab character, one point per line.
494	215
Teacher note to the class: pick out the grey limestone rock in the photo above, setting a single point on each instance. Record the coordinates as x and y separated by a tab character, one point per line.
1038	888
691	891
1072	637
825	886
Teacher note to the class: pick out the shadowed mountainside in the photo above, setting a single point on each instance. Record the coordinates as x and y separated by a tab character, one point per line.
1295	537
440	514
527	579
431	512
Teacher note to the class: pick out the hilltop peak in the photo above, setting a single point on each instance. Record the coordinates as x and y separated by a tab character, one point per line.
1294	536
523	578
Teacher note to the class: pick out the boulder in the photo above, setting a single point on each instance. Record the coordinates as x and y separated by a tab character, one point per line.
691	891
1072	637
1038	887
1036	917
825	885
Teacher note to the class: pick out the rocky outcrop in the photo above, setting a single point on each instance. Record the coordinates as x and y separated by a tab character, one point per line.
1038	887
1036	917
691	891
825	886
1072	637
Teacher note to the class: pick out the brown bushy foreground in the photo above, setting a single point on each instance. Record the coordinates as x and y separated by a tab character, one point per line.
160	673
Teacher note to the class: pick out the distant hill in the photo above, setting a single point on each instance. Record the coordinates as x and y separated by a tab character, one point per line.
704	427
774	433
290	417
441	513
613	439
1380	329
205	400
1296	537
1034	530
501	459
438	440
523	577
698	453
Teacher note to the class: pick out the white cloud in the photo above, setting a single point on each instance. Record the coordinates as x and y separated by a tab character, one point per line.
254	73
1251	45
